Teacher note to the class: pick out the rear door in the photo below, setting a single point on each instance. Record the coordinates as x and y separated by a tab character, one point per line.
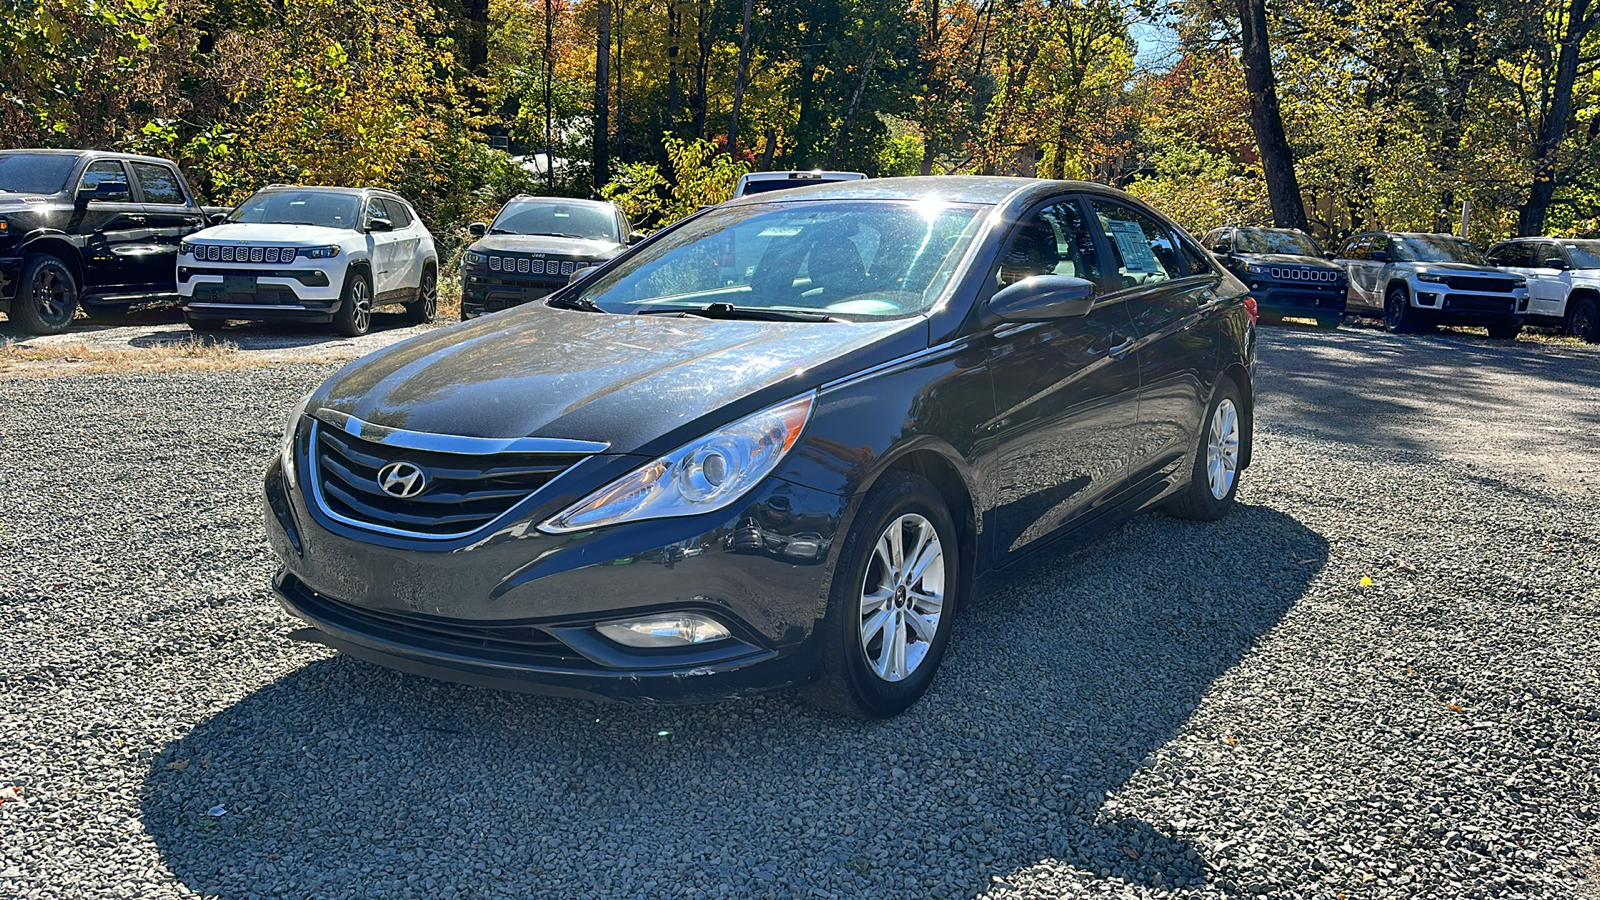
1066	390
119	250
408	247
1170	302
170	214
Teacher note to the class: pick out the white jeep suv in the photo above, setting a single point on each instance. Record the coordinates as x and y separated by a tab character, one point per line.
1563	281
1416	281
310	254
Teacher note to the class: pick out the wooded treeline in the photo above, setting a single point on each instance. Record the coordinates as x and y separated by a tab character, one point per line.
1389	113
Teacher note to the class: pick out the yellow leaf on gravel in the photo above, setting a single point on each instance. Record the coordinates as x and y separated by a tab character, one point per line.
1366	581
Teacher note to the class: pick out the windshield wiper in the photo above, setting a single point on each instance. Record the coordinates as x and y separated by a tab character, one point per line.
579	303
729	311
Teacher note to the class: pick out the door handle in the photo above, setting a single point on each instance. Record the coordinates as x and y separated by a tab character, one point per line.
1116	346
137	220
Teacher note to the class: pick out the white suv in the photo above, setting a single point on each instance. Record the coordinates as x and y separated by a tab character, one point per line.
1563	281
763	182
1416	281
310	254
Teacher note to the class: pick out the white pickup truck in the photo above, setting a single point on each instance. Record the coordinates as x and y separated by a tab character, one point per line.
1563	281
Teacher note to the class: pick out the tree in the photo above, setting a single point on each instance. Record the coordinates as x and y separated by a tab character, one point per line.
1573	23
601	167
1277	159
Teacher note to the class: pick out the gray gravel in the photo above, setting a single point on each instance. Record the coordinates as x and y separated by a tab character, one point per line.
1174	710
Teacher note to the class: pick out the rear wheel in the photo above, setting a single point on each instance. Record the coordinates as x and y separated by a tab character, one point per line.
1583	320
47	296
1215	477
1505	331
354	317
891	602
426	307
1398	315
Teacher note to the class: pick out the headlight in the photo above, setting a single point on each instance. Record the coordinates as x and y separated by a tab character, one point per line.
1519	283
474	259
1254	269
5	227
290	429
701	476
185	248
1432	278
321	252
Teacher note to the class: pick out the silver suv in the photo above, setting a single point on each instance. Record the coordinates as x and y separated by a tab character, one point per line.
1416	281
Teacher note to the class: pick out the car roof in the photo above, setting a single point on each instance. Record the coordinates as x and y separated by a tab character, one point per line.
986	189
565	201
102	154
801	174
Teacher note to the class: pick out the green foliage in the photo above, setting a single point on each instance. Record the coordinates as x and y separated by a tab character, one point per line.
702	176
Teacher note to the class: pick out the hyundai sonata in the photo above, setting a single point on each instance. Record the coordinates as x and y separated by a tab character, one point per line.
785	441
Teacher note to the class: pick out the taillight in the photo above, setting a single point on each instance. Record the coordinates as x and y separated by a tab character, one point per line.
1250	307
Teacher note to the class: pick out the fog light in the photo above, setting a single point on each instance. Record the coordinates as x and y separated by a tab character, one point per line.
674	630
1427	299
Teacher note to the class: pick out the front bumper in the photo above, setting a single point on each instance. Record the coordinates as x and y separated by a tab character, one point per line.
1449	306
1320	301
515	608
485	292
10	274
260	292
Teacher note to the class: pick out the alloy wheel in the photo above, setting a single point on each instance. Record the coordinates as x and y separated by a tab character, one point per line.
1222	449
1394	310
1583	320
902	597
430	296
361	305
55	295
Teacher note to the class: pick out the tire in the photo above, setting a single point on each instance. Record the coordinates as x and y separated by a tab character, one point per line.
203	324
1216	459
1505	331
1583	320
1398	315
47	296
425	308
862	677
354	317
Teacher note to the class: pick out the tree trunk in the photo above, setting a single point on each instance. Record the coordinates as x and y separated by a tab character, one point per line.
1277	160
477	50
674	34
616	71
602	95
927	157
771	136
1553	125
741	79
855	104
702	64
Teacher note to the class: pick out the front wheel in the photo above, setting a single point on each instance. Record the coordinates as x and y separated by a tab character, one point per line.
47	296
1398	315
891	602
1214	478
1583	321
354	317
426	307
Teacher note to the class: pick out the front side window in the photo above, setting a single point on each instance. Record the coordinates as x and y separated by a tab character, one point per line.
869	259
1055	240
1143	249
1511	255
1543	253
1358	247
328	209
160	184
556	218
103	171
1436	248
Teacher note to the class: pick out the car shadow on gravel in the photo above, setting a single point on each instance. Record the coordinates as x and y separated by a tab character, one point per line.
345	779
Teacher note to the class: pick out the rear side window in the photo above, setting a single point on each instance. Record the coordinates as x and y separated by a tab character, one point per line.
104	170
160	184
1143	250
398	214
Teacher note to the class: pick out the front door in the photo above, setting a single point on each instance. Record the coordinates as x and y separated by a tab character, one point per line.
170	216
119	251
386	265
1547	286
1066	390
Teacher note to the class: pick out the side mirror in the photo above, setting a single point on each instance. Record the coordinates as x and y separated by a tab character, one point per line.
1557	263
478	229
1043	297
107	192
580	274
1379	256
379	223
217	218
635	237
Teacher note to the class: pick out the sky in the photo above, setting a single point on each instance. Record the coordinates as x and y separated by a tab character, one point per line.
1156	44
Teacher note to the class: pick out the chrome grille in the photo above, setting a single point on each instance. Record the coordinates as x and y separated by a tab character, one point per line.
531	265
231	253
1481	283
465	491
1295	273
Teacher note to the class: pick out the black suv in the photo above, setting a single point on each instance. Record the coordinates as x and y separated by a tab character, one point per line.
1286	271
90	229
533	246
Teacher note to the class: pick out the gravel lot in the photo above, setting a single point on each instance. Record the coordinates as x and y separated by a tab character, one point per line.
1175	710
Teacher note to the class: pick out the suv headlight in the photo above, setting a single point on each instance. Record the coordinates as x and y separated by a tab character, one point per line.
1431	278
701	476
291	429
1518	283
1255	269
320	252
185	248
473	258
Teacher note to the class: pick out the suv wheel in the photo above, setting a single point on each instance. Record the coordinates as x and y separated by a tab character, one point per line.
47	296
354	317
426	307
1214	479
1398	315
1583	320
891	602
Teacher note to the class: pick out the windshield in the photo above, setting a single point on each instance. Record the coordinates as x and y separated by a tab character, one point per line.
1436	248
841	258
330	209
35	173
1584	254
1253	240
557	219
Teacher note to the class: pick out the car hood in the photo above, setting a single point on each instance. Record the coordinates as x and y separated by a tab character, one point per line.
1287	259
289	235
627	380
1462	268
551	246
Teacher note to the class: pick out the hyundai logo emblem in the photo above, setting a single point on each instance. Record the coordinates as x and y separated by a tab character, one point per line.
402	479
